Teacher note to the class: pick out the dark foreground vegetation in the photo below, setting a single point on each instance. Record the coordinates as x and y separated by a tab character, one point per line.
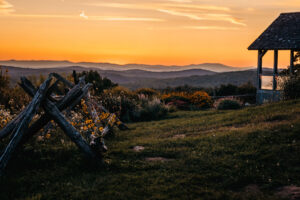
245	154
198	147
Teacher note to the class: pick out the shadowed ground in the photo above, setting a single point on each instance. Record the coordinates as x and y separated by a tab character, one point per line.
246	154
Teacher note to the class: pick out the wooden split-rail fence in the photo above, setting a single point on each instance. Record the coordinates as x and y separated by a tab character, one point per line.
21	129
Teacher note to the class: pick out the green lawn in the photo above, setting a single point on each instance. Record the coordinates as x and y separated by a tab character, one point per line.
244	154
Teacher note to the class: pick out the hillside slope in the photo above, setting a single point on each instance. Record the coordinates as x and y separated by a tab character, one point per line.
134	79
120	77
235	78
245	154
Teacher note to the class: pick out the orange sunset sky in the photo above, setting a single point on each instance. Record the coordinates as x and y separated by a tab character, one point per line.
166	32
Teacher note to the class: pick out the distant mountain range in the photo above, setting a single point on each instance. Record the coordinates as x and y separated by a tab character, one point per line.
136	78
215	67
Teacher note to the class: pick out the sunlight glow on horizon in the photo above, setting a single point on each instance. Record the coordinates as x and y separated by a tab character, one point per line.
168	32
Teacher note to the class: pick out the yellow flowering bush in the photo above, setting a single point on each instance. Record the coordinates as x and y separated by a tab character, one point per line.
5	117
201	99
167	96
187	101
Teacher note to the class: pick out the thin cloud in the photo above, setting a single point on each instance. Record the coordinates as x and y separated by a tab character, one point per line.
121	18
224	17
181	14
221	28
120	5
5	7
198	7
82	15
181	1
153	6
85	17
44	16
180	8
209	17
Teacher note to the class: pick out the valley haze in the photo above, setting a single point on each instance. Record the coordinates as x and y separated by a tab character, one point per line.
136	76
216	67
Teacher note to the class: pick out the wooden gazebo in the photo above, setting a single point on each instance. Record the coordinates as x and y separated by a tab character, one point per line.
282	34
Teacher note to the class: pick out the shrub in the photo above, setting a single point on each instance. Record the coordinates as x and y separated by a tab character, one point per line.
291	87
227	104
226	90
147	92
182	105
186	89
201	99
179	100
120	101
291	84
131	107
12	98
151	110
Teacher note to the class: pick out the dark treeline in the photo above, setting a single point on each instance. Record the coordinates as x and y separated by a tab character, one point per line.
222	90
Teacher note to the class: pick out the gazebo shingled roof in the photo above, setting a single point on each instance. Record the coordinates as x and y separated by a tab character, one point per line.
282	34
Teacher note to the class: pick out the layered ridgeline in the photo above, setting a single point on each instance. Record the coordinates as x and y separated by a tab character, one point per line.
216	67
137	76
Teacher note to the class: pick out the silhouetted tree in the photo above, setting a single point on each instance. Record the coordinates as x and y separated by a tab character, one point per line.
99	83
226	90
246	88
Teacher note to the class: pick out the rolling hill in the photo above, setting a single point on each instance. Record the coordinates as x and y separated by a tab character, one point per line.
134	78
120	77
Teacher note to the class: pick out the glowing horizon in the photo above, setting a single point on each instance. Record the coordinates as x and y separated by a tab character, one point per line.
165	32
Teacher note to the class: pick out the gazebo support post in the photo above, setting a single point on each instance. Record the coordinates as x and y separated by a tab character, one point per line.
275	69
259	69
261	54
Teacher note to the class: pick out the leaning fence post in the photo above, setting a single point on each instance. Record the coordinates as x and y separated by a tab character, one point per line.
23	126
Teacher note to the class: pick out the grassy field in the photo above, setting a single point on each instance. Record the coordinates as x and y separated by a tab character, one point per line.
244	154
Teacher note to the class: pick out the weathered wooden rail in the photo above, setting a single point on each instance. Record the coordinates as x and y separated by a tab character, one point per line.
42	98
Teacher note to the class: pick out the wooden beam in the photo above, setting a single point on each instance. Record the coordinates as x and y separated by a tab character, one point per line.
85	91
23	125
292	62
62	79
275	69
71	132
263	52
63	104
